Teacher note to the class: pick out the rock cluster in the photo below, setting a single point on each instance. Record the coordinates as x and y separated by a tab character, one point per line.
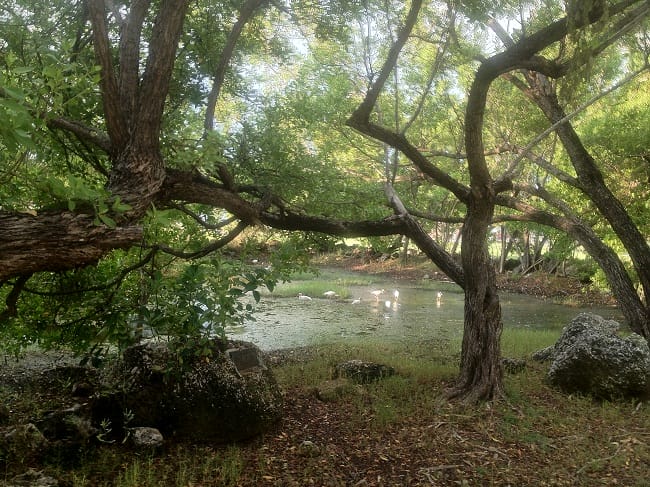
220	392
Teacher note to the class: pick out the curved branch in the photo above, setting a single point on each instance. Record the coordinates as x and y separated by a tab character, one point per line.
208	249
424	242
199	220
82	132
245	15
11	302
115	282
363	111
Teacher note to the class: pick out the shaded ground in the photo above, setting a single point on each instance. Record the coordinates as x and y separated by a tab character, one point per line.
398	432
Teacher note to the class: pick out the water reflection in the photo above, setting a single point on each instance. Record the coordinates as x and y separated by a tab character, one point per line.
411	313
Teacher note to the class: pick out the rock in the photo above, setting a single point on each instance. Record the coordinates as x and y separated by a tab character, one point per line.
513	365
32	478
181	391
591	358
22	442
146	438
333	390
308	449
70	424
82	389
544	355
362	372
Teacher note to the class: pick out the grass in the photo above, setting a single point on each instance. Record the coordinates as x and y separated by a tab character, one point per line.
326	280
403	431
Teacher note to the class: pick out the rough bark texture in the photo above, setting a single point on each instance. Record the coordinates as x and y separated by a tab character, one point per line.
56	241
481	374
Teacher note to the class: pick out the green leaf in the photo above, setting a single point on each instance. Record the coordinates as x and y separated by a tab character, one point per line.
107	220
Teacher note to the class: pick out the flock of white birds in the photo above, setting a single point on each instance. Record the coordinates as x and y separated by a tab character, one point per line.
375	292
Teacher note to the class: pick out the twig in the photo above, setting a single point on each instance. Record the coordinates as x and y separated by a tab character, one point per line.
596	460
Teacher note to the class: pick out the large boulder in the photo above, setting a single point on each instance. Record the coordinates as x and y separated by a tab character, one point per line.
590	357
211	391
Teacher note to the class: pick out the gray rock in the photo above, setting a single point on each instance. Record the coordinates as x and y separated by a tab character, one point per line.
362	372
544	355
308	449
22	442
32	478
591	358
70	424
335	389
189	394
146	438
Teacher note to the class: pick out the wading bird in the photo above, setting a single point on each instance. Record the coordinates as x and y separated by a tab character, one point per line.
376	293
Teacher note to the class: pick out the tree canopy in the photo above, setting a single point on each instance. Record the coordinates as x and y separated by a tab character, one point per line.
140	138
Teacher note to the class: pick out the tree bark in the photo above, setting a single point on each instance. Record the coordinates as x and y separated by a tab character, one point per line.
481	375
56	241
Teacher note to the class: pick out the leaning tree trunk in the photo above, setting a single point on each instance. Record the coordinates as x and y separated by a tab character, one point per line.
594	187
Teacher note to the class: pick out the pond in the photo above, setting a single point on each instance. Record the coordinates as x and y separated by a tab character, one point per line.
417	314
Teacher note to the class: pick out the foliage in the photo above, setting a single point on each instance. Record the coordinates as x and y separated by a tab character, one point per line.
278	146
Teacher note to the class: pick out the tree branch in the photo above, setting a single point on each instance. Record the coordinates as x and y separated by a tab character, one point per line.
113	114
56	241
82	132
130	56
208	249
11	301
246	13
160	62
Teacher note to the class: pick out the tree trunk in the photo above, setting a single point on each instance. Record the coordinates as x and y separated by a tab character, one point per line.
481	375
505	249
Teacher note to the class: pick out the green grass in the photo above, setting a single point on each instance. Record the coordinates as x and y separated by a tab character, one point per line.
521	342
326	280
534	436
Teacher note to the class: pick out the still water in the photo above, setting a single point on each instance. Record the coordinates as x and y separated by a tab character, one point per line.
417	314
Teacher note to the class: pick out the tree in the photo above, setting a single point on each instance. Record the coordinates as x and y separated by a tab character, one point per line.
134	155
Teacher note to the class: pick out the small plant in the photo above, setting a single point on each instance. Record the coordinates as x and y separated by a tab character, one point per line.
106	429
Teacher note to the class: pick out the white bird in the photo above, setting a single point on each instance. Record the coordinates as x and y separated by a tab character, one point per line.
387	303
376	293
356	301
329	294
396	294
303	297
439	298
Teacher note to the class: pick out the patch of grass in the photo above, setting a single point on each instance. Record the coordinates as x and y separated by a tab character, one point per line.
314	289
521	342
